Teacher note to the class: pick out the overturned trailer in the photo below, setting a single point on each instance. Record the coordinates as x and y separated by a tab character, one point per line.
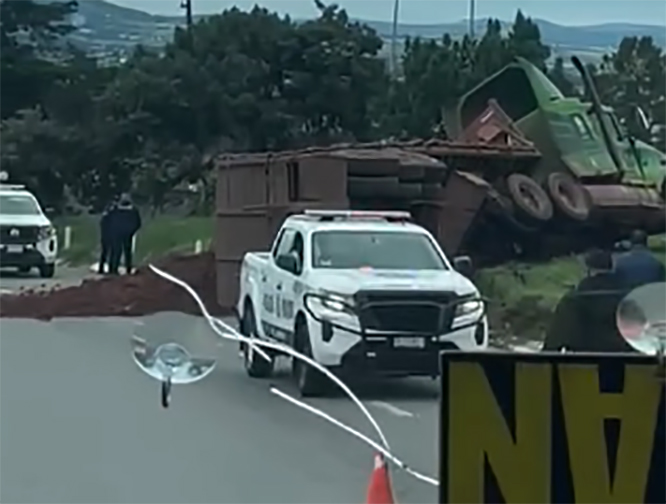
255	192
474	194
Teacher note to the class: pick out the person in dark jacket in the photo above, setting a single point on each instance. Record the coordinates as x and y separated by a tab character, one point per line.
638	266
585	319
125	222
105	238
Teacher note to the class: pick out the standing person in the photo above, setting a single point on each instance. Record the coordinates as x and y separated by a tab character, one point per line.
585	319
638	266
125	222
105	238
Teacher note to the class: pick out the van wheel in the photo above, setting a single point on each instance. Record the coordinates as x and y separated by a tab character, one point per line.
529	197
47	270
569	197
255	365
310	381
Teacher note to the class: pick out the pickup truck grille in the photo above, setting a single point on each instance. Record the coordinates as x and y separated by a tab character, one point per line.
405	312
18	235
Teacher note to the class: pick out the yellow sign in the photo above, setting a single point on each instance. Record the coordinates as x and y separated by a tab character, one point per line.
551	428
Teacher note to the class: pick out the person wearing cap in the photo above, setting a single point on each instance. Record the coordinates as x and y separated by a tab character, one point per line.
585	319
638	266
125	222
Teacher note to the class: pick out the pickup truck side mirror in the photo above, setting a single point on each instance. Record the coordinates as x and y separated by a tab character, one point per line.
288	262
49	211
464	266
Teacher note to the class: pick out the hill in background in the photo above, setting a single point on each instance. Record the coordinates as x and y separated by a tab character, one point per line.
109	30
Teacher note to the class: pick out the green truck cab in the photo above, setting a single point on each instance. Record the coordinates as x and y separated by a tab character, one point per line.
567	131
590	170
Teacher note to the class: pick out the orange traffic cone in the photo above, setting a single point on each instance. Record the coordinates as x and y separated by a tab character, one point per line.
379	489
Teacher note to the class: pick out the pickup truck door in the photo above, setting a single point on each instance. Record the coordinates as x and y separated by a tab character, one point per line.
271	277
286	283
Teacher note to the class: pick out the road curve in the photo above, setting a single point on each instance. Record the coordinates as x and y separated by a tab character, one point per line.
81	423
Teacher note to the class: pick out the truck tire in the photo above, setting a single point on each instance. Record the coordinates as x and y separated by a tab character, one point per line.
255	365
569	197
529	197
310	381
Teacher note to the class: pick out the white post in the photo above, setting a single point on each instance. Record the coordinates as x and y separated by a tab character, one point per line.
68	238
198	247
133	244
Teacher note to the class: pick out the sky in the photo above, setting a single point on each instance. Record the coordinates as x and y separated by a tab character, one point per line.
566	12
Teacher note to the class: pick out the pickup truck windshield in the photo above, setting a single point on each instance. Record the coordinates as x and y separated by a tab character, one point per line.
379	250
18	205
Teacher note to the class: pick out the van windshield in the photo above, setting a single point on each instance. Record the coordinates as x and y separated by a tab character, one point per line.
375	249
11	204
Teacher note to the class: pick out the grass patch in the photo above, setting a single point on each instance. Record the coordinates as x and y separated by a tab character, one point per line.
523	295
157	237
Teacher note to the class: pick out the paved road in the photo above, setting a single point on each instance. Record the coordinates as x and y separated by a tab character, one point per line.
13	282
80	423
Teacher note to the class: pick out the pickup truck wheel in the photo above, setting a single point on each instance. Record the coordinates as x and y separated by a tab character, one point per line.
311	382
255	365
47	270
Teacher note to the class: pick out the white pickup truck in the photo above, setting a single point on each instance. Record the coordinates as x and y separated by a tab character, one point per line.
364	292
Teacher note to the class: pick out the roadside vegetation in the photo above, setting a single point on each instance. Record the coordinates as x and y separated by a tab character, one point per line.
159	236
524	295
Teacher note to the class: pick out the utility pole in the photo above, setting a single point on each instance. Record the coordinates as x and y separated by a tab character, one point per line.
394	39
187	5
472	6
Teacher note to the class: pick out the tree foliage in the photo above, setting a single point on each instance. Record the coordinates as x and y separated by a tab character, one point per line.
77	131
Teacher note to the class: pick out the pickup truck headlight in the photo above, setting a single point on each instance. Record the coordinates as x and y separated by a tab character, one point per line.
46	232
469	307
331	301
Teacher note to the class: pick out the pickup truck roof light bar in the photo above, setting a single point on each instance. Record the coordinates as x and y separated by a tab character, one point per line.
327	215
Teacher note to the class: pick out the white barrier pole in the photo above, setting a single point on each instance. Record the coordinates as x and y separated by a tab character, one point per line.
198	247
68	238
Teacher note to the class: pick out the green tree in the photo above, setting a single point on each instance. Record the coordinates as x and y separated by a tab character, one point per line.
560	79
31	39
525	40
634	77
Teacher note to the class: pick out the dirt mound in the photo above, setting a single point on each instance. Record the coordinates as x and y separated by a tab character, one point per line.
139	294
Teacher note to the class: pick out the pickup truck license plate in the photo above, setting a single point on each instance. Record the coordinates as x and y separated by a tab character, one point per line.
15	249
404	342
